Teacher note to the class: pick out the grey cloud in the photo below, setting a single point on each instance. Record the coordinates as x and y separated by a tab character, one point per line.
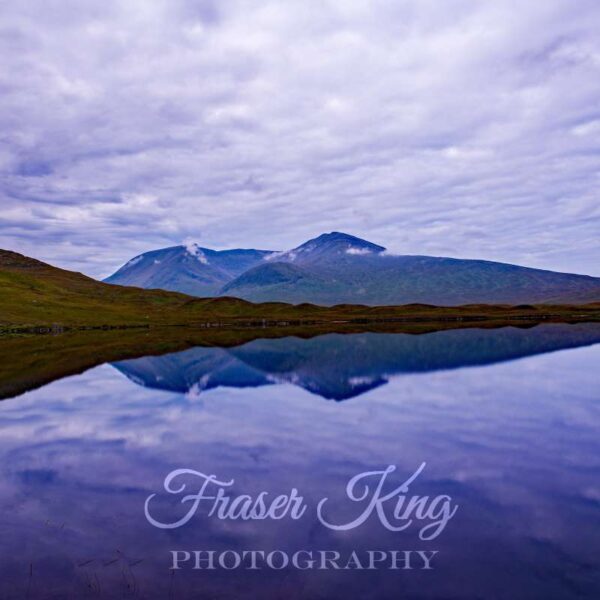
462	129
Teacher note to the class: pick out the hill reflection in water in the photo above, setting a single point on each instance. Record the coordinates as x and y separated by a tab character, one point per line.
343	366
515	444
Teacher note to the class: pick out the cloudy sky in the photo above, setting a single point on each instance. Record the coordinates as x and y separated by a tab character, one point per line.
460	128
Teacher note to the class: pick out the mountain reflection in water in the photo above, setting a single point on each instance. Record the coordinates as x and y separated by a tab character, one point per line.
339	367
514	443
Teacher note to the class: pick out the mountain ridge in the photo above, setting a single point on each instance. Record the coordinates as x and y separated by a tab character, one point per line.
336	267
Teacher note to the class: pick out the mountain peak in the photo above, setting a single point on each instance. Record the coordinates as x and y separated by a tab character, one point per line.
341	237
335	242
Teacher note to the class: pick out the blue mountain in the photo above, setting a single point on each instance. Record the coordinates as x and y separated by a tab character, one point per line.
337	268
189	269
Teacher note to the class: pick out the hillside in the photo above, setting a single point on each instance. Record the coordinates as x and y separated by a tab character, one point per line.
35	294
336	268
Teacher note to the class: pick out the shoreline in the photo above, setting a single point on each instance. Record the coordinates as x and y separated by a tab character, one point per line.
498	314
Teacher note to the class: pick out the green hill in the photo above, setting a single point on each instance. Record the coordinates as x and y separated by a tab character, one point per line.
36	295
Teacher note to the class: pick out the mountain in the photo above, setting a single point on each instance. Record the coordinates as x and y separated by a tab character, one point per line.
37	295
337	268
340	367
189	269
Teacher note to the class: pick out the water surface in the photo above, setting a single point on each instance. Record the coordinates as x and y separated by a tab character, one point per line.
506	421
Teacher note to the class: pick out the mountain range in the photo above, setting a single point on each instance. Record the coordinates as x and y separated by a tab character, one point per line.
36	295
337	268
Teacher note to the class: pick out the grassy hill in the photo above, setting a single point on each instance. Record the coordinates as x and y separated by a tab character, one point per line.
34	294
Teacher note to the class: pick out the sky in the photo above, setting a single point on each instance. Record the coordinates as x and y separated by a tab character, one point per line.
455	128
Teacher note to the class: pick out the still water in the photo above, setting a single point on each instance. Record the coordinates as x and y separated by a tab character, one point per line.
505	420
